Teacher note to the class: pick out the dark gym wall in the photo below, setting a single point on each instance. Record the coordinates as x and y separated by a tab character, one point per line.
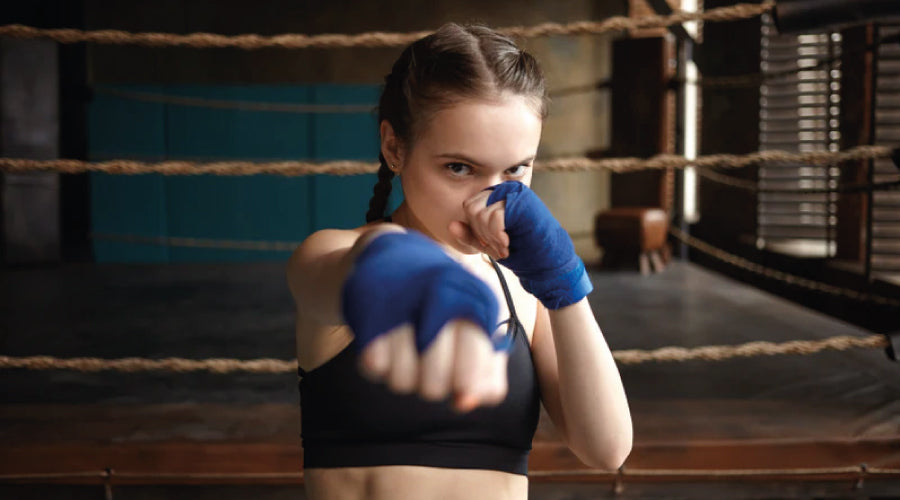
729	124
577	123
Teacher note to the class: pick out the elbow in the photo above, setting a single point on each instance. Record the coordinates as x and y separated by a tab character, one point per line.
607	455
616	458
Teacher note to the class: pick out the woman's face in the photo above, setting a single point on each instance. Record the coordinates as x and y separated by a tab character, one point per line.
462	150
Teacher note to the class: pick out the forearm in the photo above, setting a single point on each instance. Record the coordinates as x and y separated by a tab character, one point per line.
592	397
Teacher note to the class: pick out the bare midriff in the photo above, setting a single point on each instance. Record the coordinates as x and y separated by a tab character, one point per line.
421	483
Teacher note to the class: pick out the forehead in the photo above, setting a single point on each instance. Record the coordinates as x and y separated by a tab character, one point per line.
486	129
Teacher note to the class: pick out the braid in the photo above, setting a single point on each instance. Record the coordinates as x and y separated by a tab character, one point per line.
381	191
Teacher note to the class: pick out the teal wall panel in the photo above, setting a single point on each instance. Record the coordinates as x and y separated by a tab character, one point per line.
127	204
255	208
342	202
205	132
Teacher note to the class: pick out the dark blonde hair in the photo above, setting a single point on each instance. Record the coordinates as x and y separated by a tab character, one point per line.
456	62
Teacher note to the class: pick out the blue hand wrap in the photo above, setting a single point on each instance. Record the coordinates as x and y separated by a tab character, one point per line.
540	250
407	278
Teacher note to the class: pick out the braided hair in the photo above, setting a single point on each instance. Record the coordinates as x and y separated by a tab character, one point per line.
381	192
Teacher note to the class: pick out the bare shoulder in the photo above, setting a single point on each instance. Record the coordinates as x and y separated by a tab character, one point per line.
314	275
317	250
316	272
321	243
329	251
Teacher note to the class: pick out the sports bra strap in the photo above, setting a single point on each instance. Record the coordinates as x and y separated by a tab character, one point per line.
509	301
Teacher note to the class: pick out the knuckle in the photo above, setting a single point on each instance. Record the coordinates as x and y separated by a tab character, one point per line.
371	366
434	390
496	389
401	384
498	395
463	382
374	363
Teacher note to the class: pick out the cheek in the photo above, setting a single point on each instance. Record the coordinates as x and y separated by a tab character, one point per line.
432	194
448	200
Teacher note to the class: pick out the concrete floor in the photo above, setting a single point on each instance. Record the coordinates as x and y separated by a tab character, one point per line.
245	311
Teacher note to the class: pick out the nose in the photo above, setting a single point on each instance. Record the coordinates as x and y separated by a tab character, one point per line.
492	180
482	186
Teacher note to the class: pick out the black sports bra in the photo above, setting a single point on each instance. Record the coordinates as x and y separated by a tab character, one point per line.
348	421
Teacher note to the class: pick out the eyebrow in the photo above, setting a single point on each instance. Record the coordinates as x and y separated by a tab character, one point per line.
466	159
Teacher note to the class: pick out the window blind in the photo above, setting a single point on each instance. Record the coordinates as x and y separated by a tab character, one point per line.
886	204
799	112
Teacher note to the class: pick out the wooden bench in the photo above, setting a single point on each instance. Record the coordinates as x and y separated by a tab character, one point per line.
633	235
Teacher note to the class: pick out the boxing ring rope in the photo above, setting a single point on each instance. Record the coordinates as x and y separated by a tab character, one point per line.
344	167
851	472
376	38
779	275
289	246
221	366
749	80
753	187
185	242
349	168
274	107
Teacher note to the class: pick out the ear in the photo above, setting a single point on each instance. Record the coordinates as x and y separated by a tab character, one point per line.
391	146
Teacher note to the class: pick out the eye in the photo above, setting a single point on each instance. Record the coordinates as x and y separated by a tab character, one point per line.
458	169
517	171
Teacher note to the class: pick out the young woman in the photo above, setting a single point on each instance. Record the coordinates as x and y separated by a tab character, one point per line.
423	362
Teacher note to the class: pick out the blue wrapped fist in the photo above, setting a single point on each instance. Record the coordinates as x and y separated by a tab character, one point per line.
541	254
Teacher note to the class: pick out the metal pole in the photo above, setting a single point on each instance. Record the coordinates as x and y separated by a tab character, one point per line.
685	54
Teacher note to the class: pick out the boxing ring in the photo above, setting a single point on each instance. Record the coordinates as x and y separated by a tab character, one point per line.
94	397
814	419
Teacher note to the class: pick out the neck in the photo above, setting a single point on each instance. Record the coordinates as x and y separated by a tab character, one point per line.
405	217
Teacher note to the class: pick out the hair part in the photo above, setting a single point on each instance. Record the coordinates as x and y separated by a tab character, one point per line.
454	63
